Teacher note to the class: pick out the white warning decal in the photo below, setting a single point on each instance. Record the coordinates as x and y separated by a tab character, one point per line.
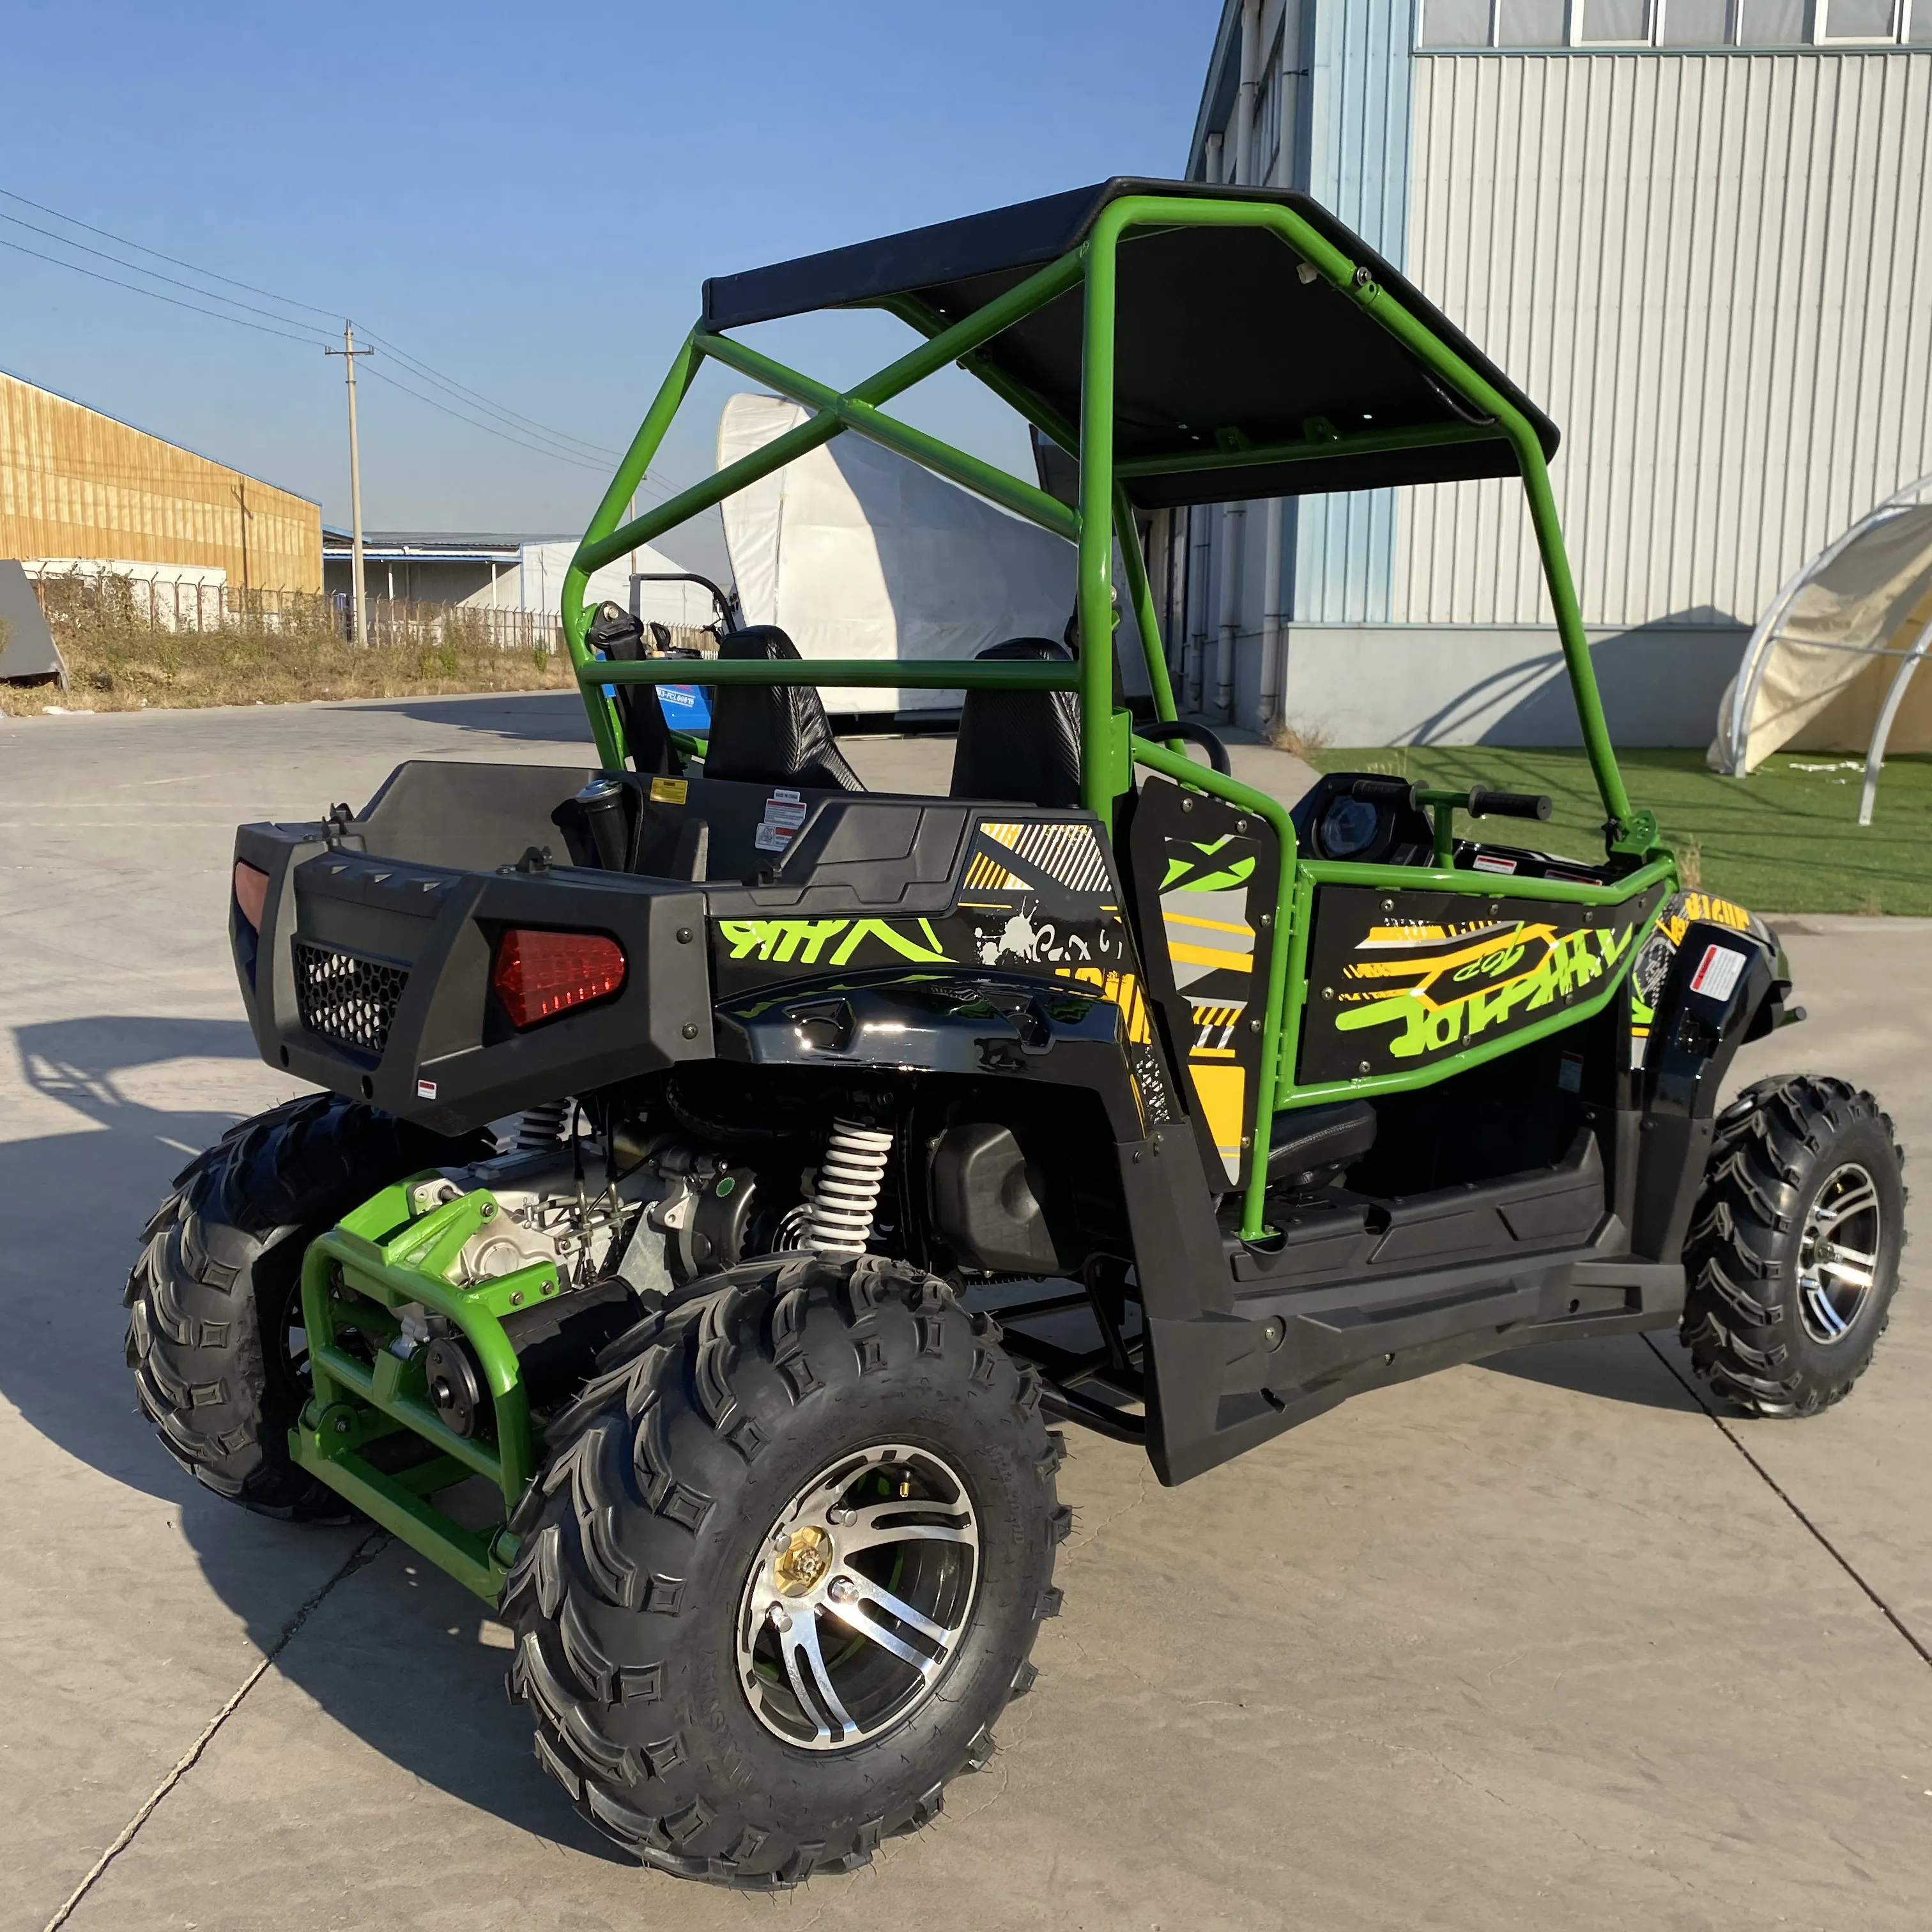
1717	972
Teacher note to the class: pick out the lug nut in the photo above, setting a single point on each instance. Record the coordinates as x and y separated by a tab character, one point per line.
780	1617
841	1589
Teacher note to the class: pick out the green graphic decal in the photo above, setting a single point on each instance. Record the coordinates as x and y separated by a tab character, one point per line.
1466	994
1231	872
804	941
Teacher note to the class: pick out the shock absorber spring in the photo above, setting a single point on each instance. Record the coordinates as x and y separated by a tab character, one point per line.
846	1192
542	1126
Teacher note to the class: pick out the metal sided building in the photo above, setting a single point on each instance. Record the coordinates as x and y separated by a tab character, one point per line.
1699	232
78	487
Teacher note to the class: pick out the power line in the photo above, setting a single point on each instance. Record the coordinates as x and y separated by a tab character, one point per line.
309	342
153	275
534	448
155	295
571	444
141	247
454	388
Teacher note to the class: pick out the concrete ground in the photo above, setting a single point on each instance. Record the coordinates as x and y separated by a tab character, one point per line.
1539	1644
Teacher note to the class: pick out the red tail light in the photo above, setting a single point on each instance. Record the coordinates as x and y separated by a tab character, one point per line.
251	891
539	975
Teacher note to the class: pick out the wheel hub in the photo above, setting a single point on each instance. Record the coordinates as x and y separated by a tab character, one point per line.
857	1604
805	1557
1838	1255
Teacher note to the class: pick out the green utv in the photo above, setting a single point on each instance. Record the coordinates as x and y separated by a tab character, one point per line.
845	1141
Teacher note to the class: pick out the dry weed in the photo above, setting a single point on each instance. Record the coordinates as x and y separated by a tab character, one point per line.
118	660
1303	741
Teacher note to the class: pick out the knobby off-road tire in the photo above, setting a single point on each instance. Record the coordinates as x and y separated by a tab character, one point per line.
1793	1250
651	1543
217	1291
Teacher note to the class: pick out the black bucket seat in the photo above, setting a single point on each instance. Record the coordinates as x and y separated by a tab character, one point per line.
1020	746
772	734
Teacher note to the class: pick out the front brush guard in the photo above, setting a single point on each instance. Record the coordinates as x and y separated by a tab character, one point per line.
396	1250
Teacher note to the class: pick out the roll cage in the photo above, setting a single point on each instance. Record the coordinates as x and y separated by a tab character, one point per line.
1180	343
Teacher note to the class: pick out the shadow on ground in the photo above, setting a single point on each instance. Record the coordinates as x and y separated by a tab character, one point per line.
540	717
398	1653
1625	1370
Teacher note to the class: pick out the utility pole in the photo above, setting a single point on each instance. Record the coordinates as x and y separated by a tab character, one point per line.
348	352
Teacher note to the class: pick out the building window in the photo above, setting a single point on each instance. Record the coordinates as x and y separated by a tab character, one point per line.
1859	20
1772	23
1588	25
1532	23
1695	23
1457	23
1612	22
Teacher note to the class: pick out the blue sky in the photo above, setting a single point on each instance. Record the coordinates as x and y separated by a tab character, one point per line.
527	199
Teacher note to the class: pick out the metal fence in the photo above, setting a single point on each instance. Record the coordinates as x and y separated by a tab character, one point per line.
190	603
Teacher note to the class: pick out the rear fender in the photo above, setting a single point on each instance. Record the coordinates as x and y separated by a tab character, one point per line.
1722	987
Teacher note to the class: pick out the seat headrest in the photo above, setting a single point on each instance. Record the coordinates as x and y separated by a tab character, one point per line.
772	734
1022	745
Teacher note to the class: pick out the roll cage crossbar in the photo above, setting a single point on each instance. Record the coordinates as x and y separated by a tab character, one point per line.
1102	514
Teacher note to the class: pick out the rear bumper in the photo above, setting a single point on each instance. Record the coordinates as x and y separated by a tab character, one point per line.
370	976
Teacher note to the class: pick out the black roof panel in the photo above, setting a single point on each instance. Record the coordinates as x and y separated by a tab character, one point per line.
1216	334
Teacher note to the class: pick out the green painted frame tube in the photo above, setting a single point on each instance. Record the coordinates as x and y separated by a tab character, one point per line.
510	1463
607	539
987	478
1313	873
1101	779
605	727
1147	621
1108	750
1356	283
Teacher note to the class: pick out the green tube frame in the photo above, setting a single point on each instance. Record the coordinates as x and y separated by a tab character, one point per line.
1109	750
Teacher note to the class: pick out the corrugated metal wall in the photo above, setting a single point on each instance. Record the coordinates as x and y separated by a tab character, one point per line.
1357	163
1716	272
74	483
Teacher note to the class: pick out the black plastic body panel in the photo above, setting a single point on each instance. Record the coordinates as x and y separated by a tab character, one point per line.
1694	1036
451	1059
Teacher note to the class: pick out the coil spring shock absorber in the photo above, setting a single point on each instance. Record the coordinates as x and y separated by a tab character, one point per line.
847	1192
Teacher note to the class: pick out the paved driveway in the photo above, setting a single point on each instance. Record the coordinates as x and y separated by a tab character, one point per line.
1536	1645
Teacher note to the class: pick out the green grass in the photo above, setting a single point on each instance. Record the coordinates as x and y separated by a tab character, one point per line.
1783	840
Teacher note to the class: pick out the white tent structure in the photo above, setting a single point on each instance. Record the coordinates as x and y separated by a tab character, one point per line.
857	552
1829	666
535	583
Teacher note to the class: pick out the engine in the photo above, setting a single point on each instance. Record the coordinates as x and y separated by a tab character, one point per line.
627	1219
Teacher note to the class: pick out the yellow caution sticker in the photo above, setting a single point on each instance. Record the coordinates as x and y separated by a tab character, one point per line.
669	791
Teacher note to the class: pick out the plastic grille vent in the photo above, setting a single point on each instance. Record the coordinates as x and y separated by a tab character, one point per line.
345	998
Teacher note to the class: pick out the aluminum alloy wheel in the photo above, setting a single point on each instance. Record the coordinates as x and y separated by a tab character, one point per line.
859	1598
1837	1258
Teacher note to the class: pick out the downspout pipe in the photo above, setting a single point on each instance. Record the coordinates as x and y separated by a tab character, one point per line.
1272	680
1234	515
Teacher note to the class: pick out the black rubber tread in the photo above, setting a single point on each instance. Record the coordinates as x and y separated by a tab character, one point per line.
220	1268
1774	1147
662	1479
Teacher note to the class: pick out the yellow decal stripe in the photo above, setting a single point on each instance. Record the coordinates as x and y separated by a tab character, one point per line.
1213	955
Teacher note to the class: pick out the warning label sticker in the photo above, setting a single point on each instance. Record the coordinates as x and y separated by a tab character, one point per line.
1717	972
